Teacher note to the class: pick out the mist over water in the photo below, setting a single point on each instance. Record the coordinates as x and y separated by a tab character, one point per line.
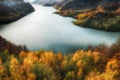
29	0
43	2
43	29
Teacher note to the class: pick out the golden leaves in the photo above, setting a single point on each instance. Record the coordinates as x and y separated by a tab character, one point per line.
46	65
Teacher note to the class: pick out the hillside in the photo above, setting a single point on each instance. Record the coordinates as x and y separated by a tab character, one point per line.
13	10
11	48
97	14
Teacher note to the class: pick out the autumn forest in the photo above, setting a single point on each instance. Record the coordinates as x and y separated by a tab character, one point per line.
36	34
95	63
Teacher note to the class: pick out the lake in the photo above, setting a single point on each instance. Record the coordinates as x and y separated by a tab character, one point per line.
44	29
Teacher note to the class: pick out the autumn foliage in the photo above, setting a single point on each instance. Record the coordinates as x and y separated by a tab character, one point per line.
47	65
96	63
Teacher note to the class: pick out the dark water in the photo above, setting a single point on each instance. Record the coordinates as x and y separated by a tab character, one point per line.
43	29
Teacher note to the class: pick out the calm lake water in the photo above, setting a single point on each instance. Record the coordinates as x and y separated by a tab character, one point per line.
43	29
